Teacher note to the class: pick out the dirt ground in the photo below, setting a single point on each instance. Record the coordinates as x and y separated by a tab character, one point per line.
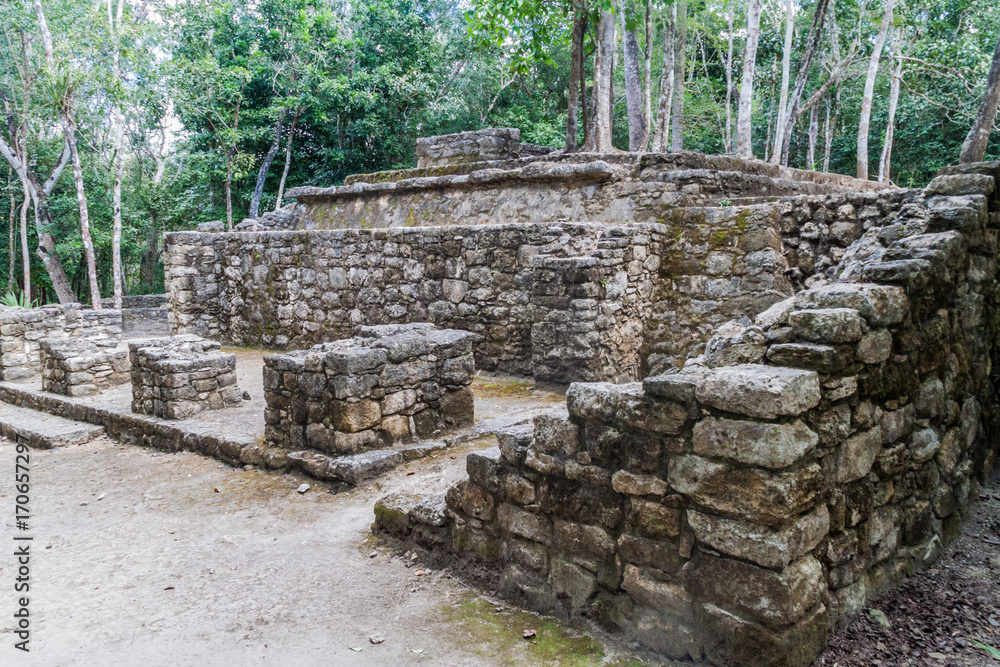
147	558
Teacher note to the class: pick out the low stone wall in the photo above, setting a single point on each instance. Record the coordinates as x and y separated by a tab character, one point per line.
282	289
391	384
178	377
802	464
142	309
22	329
79	367
476	146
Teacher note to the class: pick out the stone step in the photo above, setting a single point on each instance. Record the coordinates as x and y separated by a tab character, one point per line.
357	468
43	431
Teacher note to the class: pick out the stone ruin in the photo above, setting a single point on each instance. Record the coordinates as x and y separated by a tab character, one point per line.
180	376
394	383
81	367
783	392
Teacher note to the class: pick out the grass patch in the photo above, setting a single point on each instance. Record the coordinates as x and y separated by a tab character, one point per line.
496	388
498	633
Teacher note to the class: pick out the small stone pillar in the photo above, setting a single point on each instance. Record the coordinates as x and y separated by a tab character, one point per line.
79	367
392	383
180	376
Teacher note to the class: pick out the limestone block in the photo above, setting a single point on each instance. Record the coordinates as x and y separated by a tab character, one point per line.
827	325
768	445
880	305
760	391
732	640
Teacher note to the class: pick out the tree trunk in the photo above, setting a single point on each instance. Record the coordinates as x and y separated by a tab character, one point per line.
744	121
584	109
813	136
793	110
633	86
866	98
974	146
288	159
69	129
258	190
25	254
786	67
11	217
600	141
885	161
229	168
648	76
680	60
663	107
730	148
116	207
575	82
827	139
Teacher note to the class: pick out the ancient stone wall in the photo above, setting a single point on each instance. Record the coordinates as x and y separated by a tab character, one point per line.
141	308
180	376
736	510
577	187
80	367
284	289
21	329
391	384
497	143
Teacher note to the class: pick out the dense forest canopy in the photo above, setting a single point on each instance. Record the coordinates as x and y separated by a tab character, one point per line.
125	118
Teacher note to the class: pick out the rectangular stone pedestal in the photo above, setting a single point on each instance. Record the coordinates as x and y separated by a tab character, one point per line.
79	367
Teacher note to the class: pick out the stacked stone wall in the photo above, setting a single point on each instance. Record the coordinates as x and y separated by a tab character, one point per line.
22	329
292	289
180	376
80	367
391	384
141	308
463	147
736	510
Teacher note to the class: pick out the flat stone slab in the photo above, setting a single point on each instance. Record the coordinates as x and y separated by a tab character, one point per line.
42	430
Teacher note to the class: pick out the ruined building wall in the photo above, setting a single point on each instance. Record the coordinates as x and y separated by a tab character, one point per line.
575	187
295	289
736	510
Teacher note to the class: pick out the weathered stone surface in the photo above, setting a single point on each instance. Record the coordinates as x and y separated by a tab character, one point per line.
626	404
360	467
880	305
827	325
773	548
572	582
770	498
732	640
524	524
654	519
776	599
657	595
555	434
757	443
392	512
857	455
638	485
760	391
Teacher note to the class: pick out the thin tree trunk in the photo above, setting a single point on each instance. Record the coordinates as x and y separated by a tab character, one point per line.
730	148
866	99
11	218
974	146
744	120
229	168
265	166
828	139
288	159
680	60
633	87
663	107
575	82
116	191
813	136
584	109
69	129
793	109
600	141
25	254
885	161
786	67
648	76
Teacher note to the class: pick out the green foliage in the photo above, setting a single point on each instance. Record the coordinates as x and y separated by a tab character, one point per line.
19	300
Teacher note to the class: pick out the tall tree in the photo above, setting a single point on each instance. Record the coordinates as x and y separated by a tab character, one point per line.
680	60
730	148
786	65
633	86
866	98
661	135
974	146
885	161
744	120
600	141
